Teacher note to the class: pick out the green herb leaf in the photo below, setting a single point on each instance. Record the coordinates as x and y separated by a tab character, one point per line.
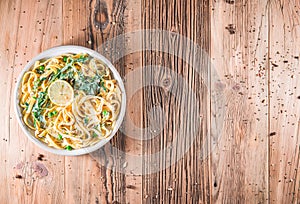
61	71
87	84
67	76
36	84
37	108
60	137
69	148
27	105
34	123
65	59
105	113
86	120
103	86
94	135
82	58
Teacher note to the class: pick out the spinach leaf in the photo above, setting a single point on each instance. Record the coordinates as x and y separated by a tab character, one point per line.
82	59
87	84
37	108
38	83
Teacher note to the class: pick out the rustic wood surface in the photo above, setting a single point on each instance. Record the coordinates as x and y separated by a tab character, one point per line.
247	147
240	54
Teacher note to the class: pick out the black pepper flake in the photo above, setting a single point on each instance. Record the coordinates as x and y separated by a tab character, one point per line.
40	157
229	1
298	97
285	61
130	187
275	65
230	28
272	133
19	176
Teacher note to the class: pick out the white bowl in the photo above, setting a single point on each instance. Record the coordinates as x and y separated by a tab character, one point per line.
55	52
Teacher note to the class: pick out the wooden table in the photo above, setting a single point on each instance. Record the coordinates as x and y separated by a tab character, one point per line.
251	134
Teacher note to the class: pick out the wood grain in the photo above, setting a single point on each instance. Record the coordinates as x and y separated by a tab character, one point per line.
30	173
27	176
284	100
239	52
90	24
188	180
247	147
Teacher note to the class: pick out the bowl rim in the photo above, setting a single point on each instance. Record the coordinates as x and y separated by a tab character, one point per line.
52	52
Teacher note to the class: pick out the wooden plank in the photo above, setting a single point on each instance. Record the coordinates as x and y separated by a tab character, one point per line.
8	39
239	52
26	174
188	179
103	180
251	43
284	100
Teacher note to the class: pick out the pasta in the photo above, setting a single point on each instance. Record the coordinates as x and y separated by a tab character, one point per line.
70	101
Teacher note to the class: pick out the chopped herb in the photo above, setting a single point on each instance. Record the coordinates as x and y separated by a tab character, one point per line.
65	59
86	120
42	67
102	86
38	82
82	58
37	108
87	84
67	76
59	137
51	114
34	122
105	113
94	135
27	105
61	71
43	79
69	148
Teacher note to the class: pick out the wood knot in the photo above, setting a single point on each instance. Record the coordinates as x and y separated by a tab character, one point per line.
166	82
101	18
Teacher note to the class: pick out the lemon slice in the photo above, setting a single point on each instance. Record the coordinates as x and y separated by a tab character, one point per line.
61	93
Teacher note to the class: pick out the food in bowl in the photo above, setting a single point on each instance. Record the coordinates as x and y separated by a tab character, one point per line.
70	101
